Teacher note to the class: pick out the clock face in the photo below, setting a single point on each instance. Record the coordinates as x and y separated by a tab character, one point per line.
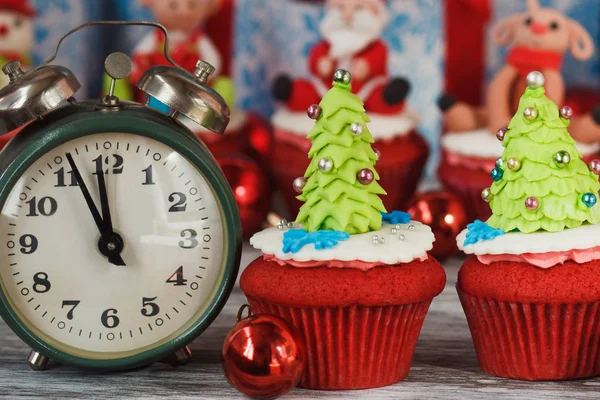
170	226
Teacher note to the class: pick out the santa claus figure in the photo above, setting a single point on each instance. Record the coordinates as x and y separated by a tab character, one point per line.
351	31
184	19
16	33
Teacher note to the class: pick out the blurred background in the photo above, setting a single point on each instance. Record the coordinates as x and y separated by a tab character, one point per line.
271	36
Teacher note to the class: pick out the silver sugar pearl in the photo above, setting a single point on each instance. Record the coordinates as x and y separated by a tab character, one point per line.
325	164
401	237
381	240
411	227
299	184
290	225
342	76
393	231
280	227
357	128
375	240
283	222
398	226
535	79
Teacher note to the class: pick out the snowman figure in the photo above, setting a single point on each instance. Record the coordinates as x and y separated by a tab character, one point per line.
17	35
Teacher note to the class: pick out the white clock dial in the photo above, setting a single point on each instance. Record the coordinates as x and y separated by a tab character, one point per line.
66	291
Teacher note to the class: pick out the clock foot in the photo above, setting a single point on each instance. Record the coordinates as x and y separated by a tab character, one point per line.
180	357
37	361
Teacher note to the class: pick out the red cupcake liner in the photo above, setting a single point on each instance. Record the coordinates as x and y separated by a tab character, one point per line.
355	347
534	341
401	166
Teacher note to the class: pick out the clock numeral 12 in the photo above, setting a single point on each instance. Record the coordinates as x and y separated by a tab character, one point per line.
117	167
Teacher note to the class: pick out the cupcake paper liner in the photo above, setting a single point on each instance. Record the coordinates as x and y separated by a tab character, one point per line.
534	341
355	347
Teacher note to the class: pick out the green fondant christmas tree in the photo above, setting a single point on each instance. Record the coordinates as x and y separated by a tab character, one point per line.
340	187
541	181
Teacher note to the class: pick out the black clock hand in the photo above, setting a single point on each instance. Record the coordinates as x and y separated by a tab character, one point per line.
86	195
104	203
106	235
112	241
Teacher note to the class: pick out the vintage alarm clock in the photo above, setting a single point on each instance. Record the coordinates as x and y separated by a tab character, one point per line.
120	235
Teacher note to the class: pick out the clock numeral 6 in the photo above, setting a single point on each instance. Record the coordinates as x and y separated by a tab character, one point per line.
46	206
117	167
70	303
177	278
29	244
189	239
154	308
109	318
41	284
180	200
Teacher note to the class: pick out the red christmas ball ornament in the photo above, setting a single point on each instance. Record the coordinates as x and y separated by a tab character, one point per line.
263	356
260	137
446	216
250	185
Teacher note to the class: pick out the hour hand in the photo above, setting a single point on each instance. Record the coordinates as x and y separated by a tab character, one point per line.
110	243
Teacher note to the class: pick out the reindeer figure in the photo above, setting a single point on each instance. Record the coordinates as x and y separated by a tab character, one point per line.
540	38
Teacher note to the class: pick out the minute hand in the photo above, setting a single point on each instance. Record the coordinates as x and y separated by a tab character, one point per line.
86	195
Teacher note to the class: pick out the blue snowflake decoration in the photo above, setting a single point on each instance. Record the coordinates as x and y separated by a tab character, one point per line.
480	231
396	217
296	239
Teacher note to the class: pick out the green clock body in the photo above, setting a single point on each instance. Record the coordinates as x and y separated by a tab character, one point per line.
171	206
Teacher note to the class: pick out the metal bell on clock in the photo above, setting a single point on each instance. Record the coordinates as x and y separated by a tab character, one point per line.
33	94
187	94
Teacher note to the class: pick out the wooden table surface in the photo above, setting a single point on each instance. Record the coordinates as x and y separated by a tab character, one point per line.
444	367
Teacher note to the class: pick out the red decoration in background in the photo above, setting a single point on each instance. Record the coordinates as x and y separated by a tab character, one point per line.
263	356
466	22
446	216
250	186
581	100
19	6
220	29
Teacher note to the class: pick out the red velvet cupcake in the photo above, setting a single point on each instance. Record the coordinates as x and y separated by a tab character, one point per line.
355	280
403	154
466	162
531	289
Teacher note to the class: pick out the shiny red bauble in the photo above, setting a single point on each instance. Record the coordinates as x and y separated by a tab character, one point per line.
263	356
446	216
250	185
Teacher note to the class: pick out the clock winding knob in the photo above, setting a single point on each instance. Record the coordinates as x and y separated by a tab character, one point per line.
13	70
203	71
